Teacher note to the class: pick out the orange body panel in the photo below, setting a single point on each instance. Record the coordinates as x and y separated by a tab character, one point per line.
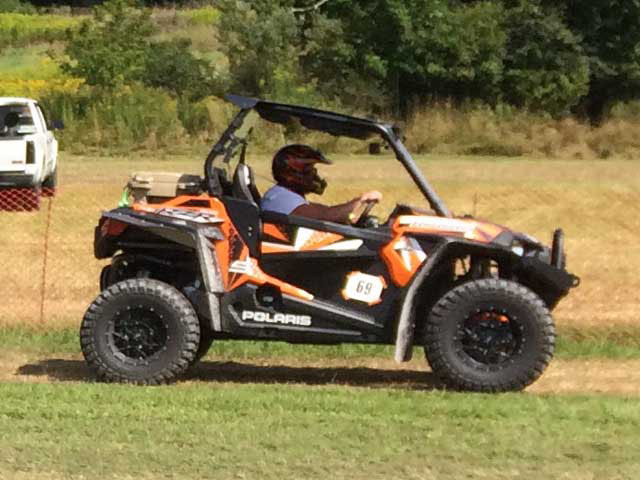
402	260
468	228
403	256
275	232
232	254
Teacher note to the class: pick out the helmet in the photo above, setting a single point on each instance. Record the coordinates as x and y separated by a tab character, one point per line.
293	167
11	119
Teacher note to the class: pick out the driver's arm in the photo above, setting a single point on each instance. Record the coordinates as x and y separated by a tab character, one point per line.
337	213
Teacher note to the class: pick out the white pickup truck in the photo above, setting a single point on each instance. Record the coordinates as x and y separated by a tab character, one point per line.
28	153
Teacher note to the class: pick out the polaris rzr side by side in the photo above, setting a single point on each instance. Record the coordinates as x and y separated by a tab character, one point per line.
196	260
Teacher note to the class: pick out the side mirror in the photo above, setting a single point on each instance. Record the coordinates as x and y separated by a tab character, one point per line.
57	125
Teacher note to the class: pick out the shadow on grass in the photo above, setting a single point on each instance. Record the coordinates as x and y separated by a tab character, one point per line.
235	372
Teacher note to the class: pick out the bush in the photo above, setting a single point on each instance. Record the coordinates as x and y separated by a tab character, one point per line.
172	66
110	49
16	6
18	29
125	118
36	88
207	15
506	131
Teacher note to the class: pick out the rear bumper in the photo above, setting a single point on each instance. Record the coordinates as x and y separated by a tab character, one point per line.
11	180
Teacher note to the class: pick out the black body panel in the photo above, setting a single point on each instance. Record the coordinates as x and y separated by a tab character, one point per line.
246	218
327	322
379	236
324	275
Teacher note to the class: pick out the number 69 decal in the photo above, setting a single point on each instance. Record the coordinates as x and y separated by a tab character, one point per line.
364	288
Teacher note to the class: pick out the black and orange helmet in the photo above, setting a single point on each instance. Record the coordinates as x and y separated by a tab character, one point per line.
293	167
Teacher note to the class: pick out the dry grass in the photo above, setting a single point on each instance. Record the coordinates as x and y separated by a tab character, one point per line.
596	202
443	129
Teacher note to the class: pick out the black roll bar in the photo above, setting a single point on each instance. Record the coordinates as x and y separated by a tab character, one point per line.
403	155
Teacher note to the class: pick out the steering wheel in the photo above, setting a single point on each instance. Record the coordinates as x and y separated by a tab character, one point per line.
366	221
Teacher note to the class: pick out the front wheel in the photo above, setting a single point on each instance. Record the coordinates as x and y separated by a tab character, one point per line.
489	335
140	331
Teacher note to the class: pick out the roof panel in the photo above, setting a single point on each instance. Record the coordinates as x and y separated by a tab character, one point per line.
311	118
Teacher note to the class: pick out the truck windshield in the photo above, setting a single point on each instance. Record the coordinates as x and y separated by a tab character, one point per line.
15	120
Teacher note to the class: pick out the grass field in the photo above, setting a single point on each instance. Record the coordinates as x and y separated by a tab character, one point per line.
271	410
276	431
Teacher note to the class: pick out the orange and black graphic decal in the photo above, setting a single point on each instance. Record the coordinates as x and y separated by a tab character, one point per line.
232	254
304	239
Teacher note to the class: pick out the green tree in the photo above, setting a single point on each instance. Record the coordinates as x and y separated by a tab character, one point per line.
610	32
262	44
110	49
172	66
115	48
425	48
545	66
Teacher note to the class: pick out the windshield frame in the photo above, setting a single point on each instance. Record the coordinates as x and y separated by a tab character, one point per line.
313	119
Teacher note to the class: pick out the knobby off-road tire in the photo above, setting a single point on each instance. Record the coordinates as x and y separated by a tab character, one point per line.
140	331
489	335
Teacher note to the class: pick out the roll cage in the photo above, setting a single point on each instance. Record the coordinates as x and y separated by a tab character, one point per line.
313	119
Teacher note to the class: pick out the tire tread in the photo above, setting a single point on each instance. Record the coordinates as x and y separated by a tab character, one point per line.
440	314
150	287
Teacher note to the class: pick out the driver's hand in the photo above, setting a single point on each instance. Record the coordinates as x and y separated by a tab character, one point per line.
372	196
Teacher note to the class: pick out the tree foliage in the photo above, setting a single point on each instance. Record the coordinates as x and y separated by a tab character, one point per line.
541	55
545	65
115	48
610	36
172	66
110	49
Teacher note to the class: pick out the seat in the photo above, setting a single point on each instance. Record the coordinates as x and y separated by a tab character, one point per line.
243	207
244	186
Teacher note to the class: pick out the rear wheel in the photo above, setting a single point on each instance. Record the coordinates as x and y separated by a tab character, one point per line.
50	184
489	335
140	331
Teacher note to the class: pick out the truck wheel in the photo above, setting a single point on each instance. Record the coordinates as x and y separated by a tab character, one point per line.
50	184
140	331
489	335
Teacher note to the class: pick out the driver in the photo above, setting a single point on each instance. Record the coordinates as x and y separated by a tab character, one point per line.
11	121
294	171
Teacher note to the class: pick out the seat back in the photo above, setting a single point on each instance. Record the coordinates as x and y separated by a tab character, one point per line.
244	186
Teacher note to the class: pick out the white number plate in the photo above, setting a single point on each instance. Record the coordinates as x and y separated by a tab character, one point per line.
364	288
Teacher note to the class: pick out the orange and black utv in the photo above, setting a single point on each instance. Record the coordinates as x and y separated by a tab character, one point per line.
196	260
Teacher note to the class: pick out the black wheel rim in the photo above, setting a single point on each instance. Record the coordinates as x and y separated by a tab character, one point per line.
139	333
490	337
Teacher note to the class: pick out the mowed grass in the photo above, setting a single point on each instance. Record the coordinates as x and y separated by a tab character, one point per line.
266	431
570	344
596	203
